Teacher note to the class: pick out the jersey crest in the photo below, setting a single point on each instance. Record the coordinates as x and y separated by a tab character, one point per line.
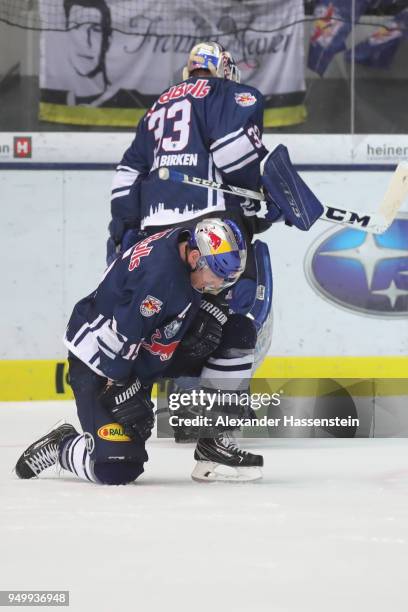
150	306
245	98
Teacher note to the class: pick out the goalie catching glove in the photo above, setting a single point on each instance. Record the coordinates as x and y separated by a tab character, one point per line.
204	335
130	406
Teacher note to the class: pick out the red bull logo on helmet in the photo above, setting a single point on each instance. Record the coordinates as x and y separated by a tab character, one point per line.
161	350
215	241
217	245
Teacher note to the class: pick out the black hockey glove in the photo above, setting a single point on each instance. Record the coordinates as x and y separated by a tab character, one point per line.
204	335
130	405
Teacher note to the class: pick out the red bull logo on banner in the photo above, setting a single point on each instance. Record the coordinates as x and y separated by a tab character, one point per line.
385	34
164	351
326	26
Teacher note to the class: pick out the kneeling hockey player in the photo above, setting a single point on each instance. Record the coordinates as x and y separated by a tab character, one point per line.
122	337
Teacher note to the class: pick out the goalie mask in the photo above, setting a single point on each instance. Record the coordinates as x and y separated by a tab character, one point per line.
222	248
213	57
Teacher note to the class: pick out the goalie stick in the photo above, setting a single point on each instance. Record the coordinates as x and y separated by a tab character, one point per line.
374	223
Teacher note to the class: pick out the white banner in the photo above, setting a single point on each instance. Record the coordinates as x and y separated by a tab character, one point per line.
120	54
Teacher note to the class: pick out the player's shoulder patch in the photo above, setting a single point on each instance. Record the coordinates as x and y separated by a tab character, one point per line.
245	98
150	306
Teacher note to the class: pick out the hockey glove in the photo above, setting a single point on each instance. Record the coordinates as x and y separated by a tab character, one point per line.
129	238
130	406
112	251
116	231
204	335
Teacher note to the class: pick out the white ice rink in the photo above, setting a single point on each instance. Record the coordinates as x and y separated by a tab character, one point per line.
326	529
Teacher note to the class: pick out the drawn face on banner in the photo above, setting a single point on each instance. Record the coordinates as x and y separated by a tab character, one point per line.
89	28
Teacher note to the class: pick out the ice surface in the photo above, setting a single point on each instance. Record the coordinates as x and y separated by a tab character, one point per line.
326	529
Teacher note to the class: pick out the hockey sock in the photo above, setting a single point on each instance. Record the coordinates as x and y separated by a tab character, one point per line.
231	364
75	458
235	369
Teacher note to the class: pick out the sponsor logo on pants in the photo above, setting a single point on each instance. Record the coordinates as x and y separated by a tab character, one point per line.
113	432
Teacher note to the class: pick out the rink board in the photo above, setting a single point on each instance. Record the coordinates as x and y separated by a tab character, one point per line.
53	240
23	380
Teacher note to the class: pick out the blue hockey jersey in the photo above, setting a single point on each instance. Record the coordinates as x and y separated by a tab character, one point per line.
134	321
207	127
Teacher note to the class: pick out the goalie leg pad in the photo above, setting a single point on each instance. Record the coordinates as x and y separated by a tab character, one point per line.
288	190
254	298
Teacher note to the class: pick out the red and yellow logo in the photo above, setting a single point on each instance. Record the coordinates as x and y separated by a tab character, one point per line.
150	306
217	244
245	98
113	432
328	23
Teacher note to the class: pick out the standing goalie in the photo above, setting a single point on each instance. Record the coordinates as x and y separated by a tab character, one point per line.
209	125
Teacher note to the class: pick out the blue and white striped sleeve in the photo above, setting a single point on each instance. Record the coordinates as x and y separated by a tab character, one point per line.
133	167
123	180
238	155
234	151
236	132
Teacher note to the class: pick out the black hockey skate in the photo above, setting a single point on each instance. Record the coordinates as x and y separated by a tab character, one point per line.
220	458
43	453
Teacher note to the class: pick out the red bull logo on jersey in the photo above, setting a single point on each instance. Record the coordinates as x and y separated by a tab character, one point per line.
245	99
150	306
199	89
113	432
142	249
161	350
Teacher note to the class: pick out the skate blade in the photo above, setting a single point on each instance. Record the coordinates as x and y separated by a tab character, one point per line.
208	471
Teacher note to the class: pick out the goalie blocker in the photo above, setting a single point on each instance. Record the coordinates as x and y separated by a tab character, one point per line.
288	191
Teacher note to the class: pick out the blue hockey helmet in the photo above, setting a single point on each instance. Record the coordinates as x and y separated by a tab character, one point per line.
222	248
215	58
